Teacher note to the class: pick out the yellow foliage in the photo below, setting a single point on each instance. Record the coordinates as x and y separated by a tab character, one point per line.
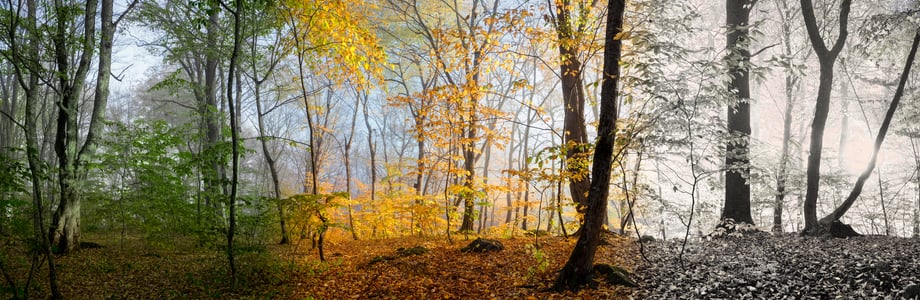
333	37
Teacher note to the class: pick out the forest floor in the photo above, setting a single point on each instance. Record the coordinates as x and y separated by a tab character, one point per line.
757	266
788	266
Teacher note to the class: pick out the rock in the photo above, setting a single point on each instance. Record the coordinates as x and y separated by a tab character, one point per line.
646	239
911	292
90	245
483	245
728	228
614	275
840	230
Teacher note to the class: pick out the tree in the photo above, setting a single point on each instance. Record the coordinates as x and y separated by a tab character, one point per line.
24	54
65	223
826	58
262	19
572	43
463	51
737	162
236	11
834	216
192	38
792	83
578	271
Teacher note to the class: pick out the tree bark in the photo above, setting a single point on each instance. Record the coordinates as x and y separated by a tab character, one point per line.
737	204
575	136
65	223
826	58
579	271
214	175
23	57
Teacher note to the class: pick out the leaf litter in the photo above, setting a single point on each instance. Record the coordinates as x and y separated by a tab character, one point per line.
752	266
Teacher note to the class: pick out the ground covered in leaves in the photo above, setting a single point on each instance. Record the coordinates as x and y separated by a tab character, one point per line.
764	266
755	266
135	269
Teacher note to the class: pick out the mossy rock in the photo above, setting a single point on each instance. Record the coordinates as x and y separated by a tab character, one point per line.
614	275
483	245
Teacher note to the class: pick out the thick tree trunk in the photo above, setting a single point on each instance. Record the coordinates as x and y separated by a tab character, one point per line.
468	195
826	58
737	204
28	80
575	136
214	175
65	224
579	270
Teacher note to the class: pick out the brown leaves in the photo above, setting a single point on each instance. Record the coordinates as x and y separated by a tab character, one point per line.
183	271
447	273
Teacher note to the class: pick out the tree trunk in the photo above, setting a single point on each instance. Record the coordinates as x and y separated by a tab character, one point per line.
844	124
372	149
269	160
28	80
347	161
65	224
737	162
468	194
879	139
234	136
575	137
916	151
214	175
791	83
826	58
579	271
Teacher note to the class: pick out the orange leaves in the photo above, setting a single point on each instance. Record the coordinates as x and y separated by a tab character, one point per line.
446	273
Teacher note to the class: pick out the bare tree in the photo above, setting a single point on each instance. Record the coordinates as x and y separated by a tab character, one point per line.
826	58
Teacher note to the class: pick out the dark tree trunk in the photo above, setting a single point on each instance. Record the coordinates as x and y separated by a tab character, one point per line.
579	271
234	137
879	139
65	223
575	136
737	190
826	58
